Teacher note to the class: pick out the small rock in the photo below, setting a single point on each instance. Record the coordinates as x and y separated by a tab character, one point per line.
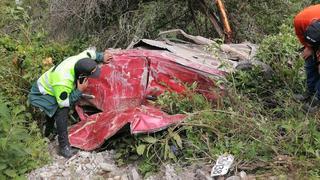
110	179
117	178
134	174
65	173
107	167
45	174
202	175
99	158
234	178
243	175
170	173
273	178
79	169
124	177
84	154
89	166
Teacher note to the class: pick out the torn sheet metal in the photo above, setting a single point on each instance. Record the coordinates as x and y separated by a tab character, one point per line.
150	69
120	95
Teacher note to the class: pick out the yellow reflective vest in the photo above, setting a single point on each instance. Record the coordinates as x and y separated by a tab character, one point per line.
61	79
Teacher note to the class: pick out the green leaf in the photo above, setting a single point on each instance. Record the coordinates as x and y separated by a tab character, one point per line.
166	150
19	109
141	148
3	143
10	173
177	138
172	156
3	166
150	140
2	176
20	178
4	111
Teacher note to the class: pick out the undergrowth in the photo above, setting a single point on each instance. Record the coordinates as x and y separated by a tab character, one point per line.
22	147
25	53
258	121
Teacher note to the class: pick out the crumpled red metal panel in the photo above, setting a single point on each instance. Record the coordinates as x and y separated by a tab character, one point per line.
121	90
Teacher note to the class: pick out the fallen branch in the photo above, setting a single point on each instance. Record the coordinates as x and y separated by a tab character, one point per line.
226	26
212	18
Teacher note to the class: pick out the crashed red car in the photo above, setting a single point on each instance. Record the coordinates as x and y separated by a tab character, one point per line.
128	80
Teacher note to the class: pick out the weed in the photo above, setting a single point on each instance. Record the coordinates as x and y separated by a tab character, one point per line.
258	123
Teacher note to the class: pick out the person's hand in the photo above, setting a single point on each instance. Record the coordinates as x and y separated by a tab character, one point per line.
306	53
83	86
107	56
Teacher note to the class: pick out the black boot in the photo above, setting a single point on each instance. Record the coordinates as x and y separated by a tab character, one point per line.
61	118
67	151
49	130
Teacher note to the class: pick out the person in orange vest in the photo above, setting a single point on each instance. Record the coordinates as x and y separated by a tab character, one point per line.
307	29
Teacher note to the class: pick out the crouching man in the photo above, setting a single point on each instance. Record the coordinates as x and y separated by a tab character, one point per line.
60	88
307	28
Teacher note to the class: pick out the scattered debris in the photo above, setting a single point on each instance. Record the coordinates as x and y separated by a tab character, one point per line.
84	165
222	165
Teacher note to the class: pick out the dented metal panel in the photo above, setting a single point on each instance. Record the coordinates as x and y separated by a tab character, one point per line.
121	92
150	69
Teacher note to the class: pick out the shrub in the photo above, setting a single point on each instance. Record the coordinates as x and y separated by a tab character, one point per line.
252	20
21	145
25	53
280	51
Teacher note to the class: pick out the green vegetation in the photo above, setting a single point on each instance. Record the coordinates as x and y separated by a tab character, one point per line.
22	147
252	20
257	121
24	55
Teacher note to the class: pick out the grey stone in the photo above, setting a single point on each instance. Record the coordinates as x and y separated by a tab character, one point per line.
89	166
220	178
134	174
243	175
66	173
170	173
107	167
234	178
45	174
124	177
84	154
79	169
202	175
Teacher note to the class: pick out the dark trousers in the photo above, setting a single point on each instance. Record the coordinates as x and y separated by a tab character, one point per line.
313	77
61	119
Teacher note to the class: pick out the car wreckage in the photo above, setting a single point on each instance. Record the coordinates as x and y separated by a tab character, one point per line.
145	70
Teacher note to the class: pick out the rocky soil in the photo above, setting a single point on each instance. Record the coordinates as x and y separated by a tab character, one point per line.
92	165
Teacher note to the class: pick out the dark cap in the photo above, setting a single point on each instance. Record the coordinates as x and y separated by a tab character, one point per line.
84	67
312	34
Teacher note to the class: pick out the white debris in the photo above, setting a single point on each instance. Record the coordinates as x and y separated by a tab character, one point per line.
222	165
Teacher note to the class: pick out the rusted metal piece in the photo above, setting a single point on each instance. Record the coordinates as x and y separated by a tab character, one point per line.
225	22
